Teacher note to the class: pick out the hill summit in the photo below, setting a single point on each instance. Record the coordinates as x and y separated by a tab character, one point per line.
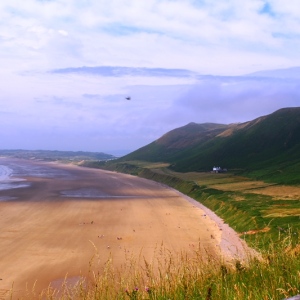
271	140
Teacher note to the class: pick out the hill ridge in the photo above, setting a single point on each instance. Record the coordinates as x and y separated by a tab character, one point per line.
265	142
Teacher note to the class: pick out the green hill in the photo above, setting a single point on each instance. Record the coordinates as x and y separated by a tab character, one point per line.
268	145
171	145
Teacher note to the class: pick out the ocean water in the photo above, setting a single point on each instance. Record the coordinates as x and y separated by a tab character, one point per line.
5	172
20	168
12	172
7	181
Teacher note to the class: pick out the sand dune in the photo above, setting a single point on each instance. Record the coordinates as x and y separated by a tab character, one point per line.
53	227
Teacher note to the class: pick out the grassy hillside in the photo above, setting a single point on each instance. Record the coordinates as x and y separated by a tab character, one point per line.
265	143
170	145
264	147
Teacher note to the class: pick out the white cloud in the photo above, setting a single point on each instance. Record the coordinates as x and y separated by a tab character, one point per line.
153	33
238	99
208	37
63	32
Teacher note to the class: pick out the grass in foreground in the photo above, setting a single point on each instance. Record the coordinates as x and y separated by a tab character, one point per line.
274	276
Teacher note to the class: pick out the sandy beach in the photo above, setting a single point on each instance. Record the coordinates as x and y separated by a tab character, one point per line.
53	226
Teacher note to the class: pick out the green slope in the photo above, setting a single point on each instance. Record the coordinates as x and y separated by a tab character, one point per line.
169	146
270	144
268	140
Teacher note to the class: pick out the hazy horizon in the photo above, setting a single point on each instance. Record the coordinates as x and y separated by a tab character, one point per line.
117	153
68	66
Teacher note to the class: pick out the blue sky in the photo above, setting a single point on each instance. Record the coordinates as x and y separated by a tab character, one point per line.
67	66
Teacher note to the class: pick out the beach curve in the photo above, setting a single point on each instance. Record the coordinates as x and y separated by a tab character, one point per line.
48	231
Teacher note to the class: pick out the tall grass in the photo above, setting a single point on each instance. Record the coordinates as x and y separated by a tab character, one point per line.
275	275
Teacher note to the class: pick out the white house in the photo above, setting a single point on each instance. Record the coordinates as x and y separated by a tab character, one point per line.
218	170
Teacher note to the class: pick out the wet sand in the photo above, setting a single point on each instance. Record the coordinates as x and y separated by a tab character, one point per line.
54	227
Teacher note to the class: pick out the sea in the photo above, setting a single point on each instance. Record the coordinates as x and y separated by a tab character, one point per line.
9	181
13	171
13	174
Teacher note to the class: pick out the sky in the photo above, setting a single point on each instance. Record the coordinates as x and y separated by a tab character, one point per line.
67	67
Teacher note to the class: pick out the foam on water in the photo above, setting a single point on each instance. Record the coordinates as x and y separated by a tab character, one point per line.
8	182
5	173
31	169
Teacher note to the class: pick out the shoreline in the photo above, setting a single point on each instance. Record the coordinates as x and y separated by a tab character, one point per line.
45	236
231	245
